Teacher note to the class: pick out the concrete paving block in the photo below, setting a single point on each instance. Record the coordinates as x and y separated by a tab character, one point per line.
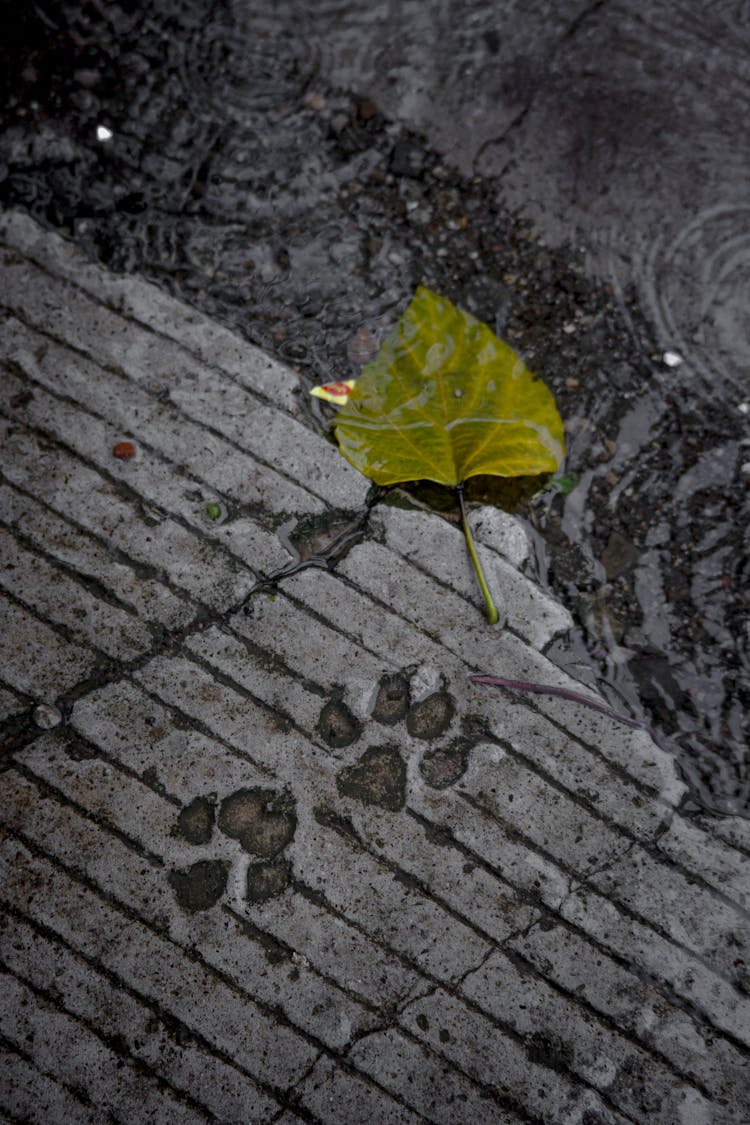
120	801
28	1095
692	916
694	1049
149	306
234	717
76	1057
111	341
735	830
498	1061
384	632
533	809
56	597
530	872
316	1003
280	691
149	740
308	646
442	615
153	823
147	475
439	547
664	960
426	1083
333	946
372	626
148	539
501	532
391	911
340	1097
50	822
60	539
578	768
723	867
227	1017
38	661
418	852
264	431
142	413
628	1076
94	998
632	751
293	836
10	704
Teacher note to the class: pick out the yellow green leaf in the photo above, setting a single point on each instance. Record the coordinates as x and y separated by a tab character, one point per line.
444	400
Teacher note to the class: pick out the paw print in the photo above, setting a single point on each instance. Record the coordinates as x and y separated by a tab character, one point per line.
262	820
378	777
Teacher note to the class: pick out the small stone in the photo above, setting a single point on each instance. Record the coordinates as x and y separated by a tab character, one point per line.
266	881
361	346
103	133
407	159
672	359
620	555
378	778
124	451
47	717
200	886
314	100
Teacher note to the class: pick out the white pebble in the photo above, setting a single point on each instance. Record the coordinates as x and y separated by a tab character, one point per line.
672	359
47	717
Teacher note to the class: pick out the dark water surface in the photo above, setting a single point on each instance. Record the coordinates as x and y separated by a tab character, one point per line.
575	174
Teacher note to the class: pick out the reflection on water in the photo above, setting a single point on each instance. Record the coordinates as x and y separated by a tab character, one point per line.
265	162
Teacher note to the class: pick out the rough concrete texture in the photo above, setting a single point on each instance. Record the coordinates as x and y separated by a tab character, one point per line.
266	855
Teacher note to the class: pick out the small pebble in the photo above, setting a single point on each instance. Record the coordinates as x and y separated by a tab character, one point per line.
103	133
314	100
672	359
361	346
47	717
124	451
744	408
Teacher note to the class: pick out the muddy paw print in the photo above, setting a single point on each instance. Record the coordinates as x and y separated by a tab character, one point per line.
263	821
378	777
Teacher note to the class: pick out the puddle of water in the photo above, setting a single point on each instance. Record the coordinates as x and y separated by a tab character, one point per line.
265	164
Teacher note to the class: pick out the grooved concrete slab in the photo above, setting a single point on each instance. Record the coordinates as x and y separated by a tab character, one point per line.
279	861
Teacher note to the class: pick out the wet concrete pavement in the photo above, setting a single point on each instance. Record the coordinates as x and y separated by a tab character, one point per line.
287	864
574	175
267	855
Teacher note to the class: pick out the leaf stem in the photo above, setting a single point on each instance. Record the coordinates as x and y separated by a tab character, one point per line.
492	614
